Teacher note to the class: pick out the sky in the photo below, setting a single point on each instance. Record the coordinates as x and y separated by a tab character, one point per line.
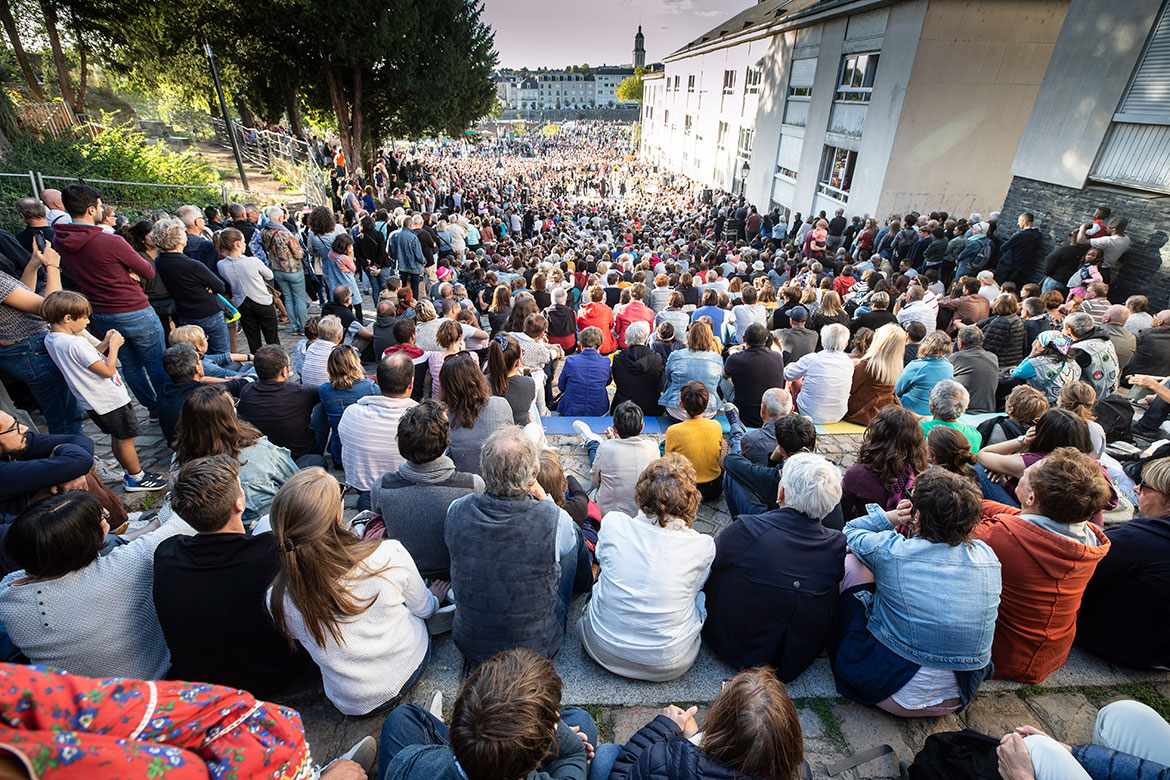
557	33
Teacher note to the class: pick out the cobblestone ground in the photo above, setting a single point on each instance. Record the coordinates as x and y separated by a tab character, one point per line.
833	728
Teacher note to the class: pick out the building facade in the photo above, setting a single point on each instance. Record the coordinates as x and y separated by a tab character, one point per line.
865	105
1099	135
544	90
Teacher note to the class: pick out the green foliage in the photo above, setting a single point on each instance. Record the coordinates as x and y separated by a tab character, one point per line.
830	722
630	89
116	154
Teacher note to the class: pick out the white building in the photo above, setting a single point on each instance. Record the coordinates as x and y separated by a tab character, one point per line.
562	89
870	105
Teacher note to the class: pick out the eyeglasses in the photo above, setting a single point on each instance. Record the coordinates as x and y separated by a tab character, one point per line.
16	426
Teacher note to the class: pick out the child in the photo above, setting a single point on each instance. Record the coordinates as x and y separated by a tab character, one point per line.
95	383
467	317
700	440
1089	272
343	266
219	366
310	331
450	339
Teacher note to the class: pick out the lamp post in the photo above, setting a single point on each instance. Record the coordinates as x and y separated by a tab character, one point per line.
743	174
227	120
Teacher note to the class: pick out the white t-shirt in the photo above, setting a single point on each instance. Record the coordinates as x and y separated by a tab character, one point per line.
1112	248
74	356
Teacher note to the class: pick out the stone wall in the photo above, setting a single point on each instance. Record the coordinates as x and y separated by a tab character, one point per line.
1145	267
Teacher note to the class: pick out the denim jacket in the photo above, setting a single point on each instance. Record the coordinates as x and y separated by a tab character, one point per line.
934	604
685	365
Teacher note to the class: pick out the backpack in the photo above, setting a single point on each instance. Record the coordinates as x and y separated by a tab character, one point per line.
1011	428
1115	415
957	755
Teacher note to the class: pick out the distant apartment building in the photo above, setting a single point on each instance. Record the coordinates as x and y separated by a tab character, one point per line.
561	89
878	107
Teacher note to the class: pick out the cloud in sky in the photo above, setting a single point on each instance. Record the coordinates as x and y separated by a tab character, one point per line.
571	32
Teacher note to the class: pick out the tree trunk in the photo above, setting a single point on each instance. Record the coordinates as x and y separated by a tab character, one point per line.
341	110
52	22
83	76
30	78
213	106
246	117
291	104
357	126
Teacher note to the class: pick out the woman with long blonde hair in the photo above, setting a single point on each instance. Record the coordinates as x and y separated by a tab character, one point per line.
875	374
358	606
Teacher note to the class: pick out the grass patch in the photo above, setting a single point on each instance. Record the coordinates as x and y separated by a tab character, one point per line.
830	723
148	501
1098	694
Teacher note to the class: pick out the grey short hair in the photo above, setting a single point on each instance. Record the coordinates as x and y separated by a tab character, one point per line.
835	337
169	235
329	328
1034	307
638	333
189	214
777	402
969	336
812	485
274	213
416	219
948	401
880	300
559	296
509	462
1079	324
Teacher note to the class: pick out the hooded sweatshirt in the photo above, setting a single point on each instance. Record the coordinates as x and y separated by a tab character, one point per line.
637	370
101	263
1044	577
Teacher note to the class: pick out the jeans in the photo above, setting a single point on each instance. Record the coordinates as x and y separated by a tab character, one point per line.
604	757
411	280
29	362
1128	727
410	725
215	328
748	488
994	491
1154	416
292	290
141	355
1049	284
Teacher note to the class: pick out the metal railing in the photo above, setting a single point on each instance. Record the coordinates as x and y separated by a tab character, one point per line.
291	158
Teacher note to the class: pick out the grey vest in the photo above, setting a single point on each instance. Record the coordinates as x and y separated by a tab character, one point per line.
505	575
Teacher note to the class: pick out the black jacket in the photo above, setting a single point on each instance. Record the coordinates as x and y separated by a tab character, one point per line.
1019	251
784	569
188	282
658	751
1006	336
637	372
1152	355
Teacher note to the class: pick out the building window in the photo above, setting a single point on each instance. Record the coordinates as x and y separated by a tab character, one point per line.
728	82
836	175
688	120
721	137
690	84
747	136
788	156
666	117
855	81
676	78
752	80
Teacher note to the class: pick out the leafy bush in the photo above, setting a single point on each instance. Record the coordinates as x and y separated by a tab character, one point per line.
115	154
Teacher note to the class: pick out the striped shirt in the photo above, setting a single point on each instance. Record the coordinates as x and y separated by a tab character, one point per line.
315	366
369	439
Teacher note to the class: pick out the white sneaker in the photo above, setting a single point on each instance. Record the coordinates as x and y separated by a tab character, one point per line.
583	431
363	754
435	704
442	621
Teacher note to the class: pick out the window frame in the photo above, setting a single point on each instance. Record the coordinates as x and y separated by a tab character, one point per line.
729	82
753	79
828	169
862	71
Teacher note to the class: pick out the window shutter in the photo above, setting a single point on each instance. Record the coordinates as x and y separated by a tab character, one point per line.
1149	93
803	72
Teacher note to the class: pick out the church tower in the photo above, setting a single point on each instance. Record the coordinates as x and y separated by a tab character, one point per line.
639	49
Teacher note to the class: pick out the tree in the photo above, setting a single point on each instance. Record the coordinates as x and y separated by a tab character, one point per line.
630	88
9	21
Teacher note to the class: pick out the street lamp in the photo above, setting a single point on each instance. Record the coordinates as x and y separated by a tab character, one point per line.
744	170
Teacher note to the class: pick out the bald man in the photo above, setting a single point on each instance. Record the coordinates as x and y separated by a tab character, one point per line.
56	209
1124	342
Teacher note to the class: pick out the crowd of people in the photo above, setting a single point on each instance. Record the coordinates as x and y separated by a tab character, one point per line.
991	520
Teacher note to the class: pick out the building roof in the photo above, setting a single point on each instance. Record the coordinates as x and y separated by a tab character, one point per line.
529	83
612	70
761	15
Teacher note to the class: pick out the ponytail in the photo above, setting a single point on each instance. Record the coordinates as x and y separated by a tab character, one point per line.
503	353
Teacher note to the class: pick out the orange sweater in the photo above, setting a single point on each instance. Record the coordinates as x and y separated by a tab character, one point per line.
1044	577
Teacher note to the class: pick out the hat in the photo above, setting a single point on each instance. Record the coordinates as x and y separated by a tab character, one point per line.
800	314
443	272
1056	339
758	266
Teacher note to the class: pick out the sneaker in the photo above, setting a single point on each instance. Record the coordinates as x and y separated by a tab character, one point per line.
435	704
583	431
148	483
363	754
731	411
153	417
442	621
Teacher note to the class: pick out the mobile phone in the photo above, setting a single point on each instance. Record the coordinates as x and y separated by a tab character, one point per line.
40	239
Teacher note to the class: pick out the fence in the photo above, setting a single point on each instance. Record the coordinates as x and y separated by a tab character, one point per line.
132	199
54	119
291	158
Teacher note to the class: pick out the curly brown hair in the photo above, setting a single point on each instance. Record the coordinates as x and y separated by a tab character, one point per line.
667	488
893	443
947	507
1069	485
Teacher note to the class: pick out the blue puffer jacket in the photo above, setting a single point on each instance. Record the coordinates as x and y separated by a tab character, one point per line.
659	751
